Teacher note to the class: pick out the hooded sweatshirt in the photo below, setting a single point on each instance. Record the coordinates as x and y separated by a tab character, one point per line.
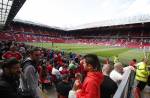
91	86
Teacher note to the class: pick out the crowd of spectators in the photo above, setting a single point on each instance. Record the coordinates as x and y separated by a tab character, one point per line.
30	70
113	40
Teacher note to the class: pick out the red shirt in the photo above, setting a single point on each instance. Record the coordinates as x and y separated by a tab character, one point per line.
64	71
41	78
49	68
10	54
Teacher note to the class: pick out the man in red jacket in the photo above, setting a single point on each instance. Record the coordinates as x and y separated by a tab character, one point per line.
93	79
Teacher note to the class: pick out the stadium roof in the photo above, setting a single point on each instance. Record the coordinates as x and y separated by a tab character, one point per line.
37	24
107	23
8	10
114	22
72	14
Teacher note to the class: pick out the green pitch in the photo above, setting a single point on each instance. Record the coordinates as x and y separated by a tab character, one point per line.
125	54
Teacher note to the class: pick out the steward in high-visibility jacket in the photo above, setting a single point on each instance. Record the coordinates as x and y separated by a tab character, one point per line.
116	59
142	72
142	77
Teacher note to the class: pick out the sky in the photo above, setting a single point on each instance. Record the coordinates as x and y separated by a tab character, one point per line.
71	13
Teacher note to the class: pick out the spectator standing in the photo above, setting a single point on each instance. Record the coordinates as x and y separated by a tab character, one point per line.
44	78
116	59
93	79
22	50
13	53
72	93
133	63
106	61
108	87
9	81
30	73
117	73
76	86
63	87
56	75
142	76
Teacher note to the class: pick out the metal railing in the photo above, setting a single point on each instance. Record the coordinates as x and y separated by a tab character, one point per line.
125	88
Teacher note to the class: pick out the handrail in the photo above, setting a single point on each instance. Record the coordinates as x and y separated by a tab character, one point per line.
124	89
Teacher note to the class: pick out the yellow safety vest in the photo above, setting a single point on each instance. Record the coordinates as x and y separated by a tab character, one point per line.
116	59
141	72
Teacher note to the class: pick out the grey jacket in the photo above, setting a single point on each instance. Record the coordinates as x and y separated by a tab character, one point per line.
29	79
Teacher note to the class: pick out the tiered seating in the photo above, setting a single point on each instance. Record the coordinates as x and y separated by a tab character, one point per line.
6	36
17	28
135	34
38	34
20	37
27	29
146	34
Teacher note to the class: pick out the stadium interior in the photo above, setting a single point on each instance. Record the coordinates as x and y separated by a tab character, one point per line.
127	35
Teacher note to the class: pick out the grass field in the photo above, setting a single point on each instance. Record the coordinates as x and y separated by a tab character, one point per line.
125	54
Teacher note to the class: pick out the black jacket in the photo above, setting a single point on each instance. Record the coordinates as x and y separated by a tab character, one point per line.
108	87
63	88
9	87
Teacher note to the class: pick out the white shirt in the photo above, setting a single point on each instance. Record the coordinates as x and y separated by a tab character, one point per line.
72	94
116	76
61	68
55	71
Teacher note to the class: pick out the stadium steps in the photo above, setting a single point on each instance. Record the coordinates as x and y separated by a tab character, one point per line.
146	92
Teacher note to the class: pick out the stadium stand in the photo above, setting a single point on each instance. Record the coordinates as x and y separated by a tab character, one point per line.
113	33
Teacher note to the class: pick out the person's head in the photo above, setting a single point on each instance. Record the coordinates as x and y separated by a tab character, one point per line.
106	69
72	62
91	63
65	78
11	67
13	48
145	60
65	66
78	76
132	62
47	62
35	54
118	67
76	85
